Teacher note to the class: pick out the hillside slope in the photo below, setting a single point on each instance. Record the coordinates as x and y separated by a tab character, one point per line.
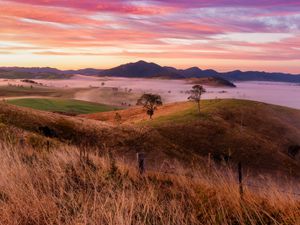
257	134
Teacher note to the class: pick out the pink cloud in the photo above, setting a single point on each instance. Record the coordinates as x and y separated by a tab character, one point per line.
117	6
149	29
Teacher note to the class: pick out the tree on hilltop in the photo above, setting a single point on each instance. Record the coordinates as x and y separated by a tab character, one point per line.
196	93
150	102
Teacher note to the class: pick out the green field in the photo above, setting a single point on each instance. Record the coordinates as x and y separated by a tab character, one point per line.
62	105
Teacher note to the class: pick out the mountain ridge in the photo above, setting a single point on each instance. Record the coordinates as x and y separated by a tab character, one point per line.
145	69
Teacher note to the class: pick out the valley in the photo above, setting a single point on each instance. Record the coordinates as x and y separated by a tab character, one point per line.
123	92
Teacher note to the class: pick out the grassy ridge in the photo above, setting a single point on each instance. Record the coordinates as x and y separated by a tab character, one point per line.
178	132
61	105
255	133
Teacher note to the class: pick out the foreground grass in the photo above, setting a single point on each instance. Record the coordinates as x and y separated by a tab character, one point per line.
55	187
62	105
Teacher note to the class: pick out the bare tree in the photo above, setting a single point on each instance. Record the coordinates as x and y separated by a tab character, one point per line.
196	93
150	103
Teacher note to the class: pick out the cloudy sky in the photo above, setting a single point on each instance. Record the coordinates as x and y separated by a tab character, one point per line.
219	34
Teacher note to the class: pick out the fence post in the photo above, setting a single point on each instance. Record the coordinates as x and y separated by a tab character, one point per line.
22	142
141	162
48	145
240	172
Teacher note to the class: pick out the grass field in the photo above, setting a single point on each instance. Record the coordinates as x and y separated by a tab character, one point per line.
62	105
23	91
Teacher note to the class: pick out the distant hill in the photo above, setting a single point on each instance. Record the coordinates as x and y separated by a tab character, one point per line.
30	73
260	76
87	71
144	69
211	81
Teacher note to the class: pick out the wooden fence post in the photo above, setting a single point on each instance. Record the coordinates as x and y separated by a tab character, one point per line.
141	162
48	145
209	160
22	142
240	172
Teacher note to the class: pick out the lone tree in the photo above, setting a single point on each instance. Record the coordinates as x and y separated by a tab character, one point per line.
150	103
196	93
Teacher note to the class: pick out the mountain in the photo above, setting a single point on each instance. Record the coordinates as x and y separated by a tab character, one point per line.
238	75
197	72
87	72
142	69
147	70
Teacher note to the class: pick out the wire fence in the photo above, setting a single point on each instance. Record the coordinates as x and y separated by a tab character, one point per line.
243	178
265	188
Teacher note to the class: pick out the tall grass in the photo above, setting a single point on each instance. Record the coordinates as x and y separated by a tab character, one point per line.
57	188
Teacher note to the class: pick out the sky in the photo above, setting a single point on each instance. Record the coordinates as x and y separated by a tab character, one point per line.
219	34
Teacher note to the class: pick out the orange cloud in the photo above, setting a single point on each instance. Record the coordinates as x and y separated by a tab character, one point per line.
93	31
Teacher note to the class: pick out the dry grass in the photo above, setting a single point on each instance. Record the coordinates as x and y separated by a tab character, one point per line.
58	188
138	114
38	186
255	133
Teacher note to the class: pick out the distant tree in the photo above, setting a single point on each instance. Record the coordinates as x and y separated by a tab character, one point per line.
150	103
102	84
196	93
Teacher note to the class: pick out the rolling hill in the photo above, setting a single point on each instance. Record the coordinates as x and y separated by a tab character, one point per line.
211	81
257	134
